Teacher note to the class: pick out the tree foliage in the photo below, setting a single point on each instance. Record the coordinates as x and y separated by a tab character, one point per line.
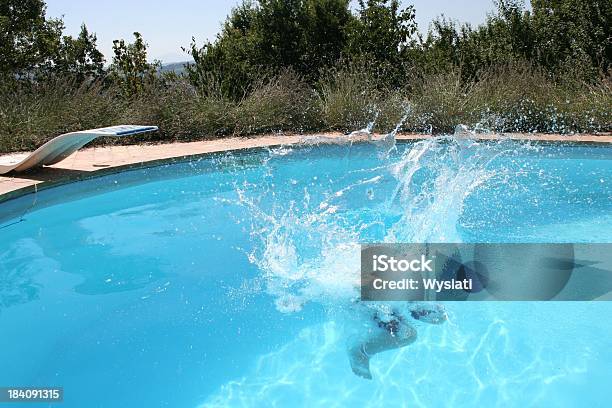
268	36
308	36
506	36
28	40
302	65
33	47
130	67
80	56
382	31
315	38
555	35
569	30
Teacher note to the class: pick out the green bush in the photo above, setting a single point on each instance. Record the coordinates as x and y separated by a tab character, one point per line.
285	102
513	97
348	98
440	101
520	97
32	113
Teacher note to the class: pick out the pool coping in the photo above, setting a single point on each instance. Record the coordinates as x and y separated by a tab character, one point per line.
96	162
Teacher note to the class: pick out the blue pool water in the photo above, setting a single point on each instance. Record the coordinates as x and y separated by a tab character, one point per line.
227	281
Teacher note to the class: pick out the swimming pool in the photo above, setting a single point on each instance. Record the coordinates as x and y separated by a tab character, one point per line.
227	280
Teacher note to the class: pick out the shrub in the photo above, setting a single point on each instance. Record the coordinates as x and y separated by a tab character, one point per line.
285	102
180	112
520	97
439	102
349	97
511	97
32	113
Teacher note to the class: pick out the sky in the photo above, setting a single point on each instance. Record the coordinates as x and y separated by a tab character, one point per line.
169	25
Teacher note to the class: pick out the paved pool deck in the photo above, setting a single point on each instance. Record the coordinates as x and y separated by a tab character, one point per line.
97	161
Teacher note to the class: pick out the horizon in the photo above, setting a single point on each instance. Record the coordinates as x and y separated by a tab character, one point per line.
113	20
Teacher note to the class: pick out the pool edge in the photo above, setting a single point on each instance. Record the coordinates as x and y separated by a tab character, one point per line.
70	175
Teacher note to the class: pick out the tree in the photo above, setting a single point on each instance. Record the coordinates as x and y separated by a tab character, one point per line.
28	40
506	36
80	57
383	34
573	30
230	64
558	35
382	31
269	36
130	66
305	35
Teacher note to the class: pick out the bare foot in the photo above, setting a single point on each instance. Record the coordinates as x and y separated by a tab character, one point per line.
360	362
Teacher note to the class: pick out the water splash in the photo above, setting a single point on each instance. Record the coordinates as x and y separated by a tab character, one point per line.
462	132
296	246
434	179
307	247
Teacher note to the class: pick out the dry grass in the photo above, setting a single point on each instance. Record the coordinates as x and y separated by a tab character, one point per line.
513	97
283	103
32	114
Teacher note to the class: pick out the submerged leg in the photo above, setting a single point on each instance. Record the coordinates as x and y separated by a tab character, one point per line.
377	340
360	361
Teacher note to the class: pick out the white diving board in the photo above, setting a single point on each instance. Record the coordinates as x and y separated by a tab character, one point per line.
60	147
